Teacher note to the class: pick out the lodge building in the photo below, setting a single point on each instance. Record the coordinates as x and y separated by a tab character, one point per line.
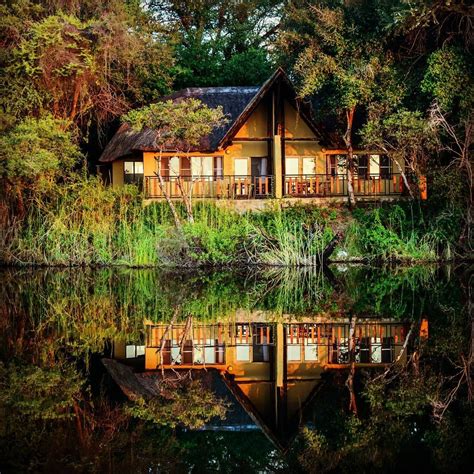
270	147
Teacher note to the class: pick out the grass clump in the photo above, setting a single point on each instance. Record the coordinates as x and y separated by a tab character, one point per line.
401	232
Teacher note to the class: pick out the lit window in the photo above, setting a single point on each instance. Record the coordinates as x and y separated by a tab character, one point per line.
133	172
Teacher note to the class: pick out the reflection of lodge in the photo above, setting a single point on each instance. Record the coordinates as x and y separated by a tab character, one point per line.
272	369
235	346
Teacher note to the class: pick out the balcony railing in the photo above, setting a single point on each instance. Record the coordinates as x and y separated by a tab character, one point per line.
327	185
217	187
375	342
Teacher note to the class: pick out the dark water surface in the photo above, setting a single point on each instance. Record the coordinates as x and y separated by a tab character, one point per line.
346	369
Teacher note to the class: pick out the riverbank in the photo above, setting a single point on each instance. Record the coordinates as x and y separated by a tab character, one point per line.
90	224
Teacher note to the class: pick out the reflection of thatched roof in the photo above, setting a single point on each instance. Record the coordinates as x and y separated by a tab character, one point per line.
233	101
136	385
237	104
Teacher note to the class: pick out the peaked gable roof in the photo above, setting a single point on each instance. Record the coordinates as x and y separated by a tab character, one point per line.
237	103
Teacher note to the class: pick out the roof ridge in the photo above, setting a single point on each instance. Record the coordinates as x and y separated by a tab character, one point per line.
217	89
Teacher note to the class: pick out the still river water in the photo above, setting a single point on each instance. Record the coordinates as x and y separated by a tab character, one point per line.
346	369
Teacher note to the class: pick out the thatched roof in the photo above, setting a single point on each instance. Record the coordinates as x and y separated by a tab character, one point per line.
237	104
233	101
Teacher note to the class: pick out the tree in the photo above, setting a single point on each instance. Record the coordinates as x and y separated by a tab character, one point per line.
35	155
215	36
404	135
335	59
183	402
81	69
180	126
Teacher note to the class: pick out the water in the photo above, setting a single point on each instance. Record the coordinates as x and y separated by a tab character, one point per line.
347	369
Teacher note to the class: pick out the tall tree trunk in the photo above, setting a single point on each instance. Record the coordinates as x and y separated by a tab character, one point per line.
75	100
405	180
350	378
350	155
187	199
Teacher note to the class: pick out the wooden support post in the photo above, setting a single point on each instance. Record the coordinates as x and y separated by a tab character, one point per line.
278	166
280	361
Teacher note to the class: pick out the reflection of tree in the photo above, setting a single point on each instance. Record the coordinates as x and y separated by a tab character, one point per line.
179	402
421	404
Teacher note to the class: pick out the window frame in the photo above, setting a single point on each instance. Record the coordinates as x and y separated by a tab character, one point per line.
385	171
366	174
136	178
335	166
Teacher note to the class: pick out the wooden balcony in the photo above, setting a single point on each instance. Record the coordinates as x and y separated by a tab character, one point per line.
327	185
214	187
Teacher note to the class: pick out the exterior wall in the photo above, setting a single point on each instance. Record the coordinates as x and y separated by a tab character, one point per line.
149	163
295	126
256	125
117	173
243	150
306	150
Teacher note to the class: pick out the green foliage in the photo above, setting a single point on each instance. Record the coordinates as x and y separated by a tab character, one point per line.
179	125
407	136
403	232
221	42
34	393
448	79
186	404
38	149
81	68
251	67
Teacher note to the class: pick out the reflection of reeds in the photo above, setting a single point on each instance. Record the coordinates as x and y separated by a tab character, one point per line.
297	292
80	311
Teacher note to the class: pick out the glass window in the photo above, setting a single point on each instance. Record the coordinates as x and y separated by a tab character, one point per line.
336	165
218	167
385	167
292	166
202	165
258	166
293	352
374	164
133	172
310	352
174	166
363	166
241	167
309	166
242	353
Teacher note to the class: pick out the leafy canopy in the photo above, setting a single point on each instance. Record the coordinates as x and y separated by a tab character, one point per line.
37	149
180	124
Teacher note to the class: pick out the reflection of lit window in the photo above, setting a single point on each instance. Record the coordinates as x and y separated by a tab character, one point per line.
387	350
132	351
376	350
242	352
293	352
133	172
310	352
